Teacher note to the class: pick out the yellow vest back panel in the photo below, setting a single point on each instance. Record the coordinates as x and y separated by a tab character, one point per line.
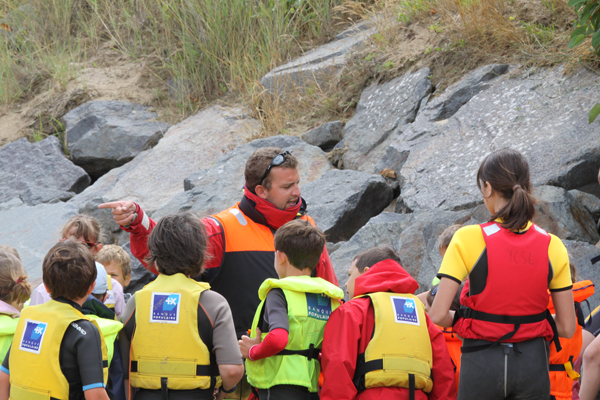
37	346
400	346
166	342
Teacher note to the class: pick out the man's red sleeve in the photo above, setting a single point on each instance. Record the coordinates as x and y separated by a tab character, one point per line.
443	368
273	343
142	226
340	352
325	268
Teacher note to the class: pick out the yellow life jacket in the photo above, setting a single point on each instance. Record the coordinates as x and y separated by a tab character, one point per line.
109	329
399	354
110	295
8	326
35	372
166	344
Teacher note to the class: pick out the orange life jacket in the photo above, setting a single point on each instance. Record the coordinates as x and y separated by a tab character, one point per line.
562	374
453	342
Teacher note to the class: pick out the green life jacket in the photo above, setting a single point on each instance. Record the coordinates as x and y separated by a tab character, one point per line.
8	326
109	329
310	301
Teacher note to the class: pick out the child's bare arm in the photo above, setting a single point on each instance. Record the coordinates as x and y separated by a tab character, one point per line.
96	394
4	385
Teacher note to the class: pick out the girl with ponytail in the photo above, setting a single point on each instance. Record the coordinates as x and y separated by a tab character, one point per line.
510	264
14	292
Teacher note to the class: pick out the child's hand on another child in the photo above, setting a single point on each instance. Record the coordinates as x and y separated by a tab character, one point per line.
247	342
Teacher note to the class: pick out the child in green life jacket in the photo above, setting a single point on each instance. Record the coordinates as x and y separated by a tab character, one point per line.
283	363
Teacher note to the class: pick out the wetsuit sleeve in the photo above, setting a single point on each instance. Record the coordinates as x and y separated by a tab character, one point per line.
442	370
276	312
128	320
88	351
463	252
225	344
139	230
325	268
214	252
559	260
5	368
340	352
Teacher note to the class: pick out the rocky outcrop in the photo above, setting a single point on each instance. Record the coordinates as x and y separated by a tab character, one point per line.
341	202
220	186
33	231
382	114
317	66
589	201
542	113
325	136
34	173
103	135
155	176
140	276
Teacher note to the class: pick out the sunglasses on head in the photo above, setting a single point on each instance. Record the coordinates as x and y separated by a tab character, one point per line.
88	244
276	162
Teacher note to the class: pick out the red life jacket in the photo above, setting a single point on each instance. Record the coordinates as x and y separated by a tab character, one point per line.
512	306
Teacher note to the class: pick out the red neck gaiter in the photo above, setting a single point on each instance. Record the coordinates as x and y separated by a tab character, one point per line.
275	217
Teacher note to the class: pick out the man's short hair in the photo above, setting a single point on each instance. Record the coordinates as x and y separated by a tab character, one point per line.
447	235
177	244
113	253
257	165
301	242
69	270
370	257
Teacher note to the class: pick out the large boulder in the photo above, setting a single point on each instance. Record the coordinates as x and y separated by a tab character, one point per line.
444	155
580	254
589	201
382	114
140	276
33	231
103	135
221	185
325	136
155	176
341	202
34	173
317	66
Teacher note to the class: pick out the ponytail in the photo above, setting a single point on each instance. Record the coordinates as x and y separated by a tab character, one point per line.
507	171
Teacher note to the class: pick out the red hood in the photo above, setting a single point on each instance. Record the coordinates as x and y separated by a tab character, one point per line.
385	276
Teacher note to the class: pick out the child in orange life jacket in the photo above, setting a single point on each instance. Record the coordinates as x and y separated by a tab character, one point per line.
58	352
563	369
14	292
503	316
365	338
179	333
283	364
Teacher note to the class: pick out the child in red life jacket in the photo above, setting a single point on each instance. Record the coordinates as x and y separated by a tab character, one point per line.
382	318
283	363
503	317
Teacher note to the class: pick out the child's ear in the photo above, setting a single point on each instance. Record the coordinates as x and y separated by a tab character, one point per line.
281	257
46	287
365	270
127	280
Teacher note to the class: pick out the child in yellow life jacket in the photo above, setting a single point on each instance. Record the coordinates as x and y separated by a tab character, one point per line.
178	333
283	363
14	292
57	352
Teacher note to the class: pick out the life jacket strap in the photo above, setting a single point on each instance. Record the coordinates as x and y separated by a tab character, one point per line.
201	370
312	353
567	367
411	387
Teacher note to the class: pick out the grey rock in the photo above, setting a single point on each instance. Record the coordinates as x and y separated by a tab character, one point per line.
38	172
140	276
560	213
393	160
331	247
544	115
589	201
220	185
317	66
33	231
349	200
155	176
580	254
325	136
382	113
103	135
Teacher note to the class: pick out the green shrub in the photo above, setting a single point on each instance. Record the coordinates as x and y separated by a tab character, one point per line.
587	24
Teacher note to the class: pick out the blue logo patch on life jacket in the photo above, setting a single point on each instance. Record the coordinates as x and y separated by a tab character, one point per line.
405	310
33	336
165	308
319	306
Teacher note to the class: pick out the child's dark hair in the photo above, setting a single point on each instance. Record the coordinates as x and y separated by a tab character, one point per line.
455	302
301	242
69	270
177	244
508	173
370	257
